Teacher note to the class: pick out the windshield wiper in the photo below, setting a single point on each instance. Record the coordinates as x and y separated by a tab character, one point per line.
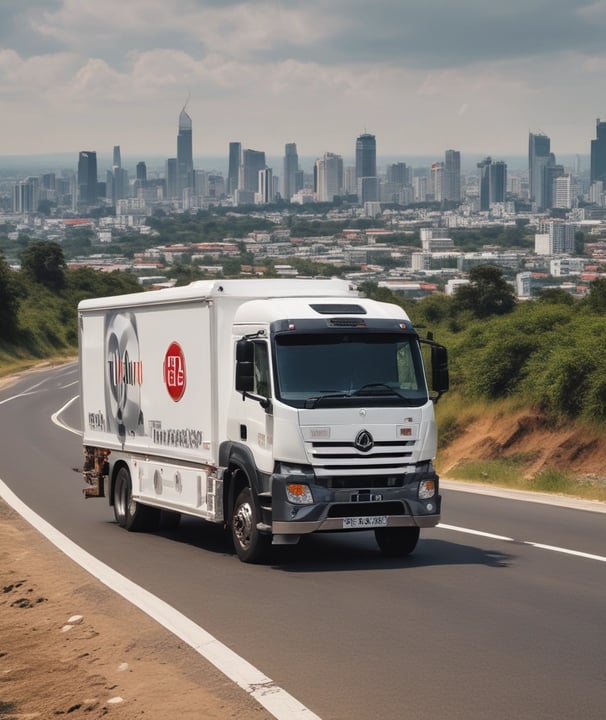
312	402
379	389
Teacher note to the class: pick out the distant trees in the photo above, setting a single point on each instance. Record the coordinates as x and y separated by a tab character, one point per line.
44	263
9	301
488	293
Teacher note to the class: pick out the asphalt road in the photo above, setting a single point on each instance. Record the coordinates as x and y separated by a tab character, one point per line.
472	626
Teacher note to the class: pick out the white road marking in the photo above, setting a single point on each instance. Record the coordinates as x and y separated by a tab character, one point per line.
540	546
273	698
57	420
565	551
469	531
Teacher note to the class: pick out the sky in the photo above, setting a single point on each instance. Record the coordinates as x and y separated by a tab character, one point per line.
423	76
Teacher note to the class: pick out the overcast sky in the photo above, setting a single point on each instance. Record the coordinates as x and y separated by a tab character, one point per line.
421	75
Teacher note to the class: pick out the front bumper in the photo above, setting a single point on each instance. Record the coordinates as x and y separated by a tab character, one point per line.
399	506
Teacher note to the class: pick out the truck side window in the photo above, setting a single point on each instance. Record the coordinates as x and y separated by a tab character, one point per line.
262	384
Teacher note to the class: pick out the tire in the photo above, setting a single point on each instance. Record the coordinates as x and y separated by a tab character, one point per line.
398	541
251	546
130	514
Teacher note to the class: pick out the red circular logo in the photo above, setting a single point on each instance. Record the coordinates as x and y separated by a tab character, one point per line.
174	371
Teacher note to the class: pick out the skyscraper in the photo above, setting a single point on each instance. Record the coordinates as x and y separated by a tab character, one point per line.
598	154
437	181
265	194
87	177
290	171
233	171
493	182
252	162
185	160
329	177
171	178
366	156
451	181
539	157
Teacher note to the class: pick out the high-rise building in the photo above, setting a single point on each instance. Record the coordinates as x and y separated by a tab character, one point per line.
451	182
87	177
117	159
171	179
552	173
290	171
366	156
141	171
493	182
233	170
562	192
252	162
26	195
555	237
498	182
329	177
598	154
265	191
437	181
539	157
185	159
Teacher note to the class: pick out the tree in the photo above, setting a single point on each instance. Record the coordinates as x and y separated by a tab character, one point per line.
44	263
488	293
596	299
9	301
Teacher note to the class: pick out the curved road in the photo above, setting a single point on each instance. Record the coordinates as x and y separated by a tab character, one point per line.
500	613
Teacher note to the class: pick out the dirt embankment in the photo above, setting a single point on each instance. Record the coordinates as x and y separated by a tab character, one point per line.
531	438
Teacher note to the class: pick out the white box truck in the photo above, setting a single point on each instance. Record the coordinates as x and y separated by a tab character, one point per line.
276	407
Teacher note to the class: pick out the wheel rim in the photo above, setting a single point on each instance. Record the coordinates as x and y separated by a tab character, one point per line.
243	524
120	500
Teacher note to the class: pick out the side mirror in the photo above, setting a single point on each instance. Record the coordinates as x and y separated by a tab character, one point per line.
439	369
245	374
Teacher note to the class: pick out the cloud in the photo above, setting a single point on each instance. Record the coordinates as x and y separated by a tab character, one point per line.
420	74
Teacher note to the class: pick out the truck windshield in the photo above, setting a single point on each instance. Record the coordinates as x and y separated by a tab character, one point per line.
341	369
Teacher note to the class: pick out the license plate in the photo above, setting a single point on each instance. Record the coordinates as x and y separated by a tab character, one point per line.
355	523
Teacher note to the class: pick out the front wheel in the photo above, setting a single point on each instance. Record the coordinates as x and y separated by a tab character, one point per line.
397	541
130	514
250	544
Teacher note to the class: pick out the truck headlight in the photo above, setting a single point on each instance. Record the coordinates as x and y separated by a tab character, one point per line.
427	489
299	494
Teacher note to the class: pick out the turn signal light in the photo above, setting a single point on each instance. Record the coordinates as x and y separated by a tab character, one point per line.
299	493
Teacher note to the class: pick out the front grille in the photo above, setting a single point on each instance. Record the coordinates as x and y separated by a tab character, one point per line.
366	509
343	457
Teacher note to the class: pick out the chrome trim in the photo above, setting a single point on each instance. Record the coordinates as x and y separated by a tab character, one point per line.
302	528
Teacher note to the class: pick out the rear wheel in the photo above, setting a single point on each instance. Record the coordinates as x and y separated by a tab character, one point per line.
397	541
130	514
250	544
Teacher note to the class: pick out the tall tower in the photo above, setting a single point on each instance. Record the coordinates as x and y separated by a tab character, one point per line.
493	182
117	161
87	177
437	181
539	157
233	171
366	156
265	193
329	177
290	171
185	160
598	154
171	178
451	184
252	162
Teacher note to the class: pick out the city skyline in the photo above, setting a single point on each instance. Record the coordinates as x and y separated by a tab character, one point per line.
420	76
